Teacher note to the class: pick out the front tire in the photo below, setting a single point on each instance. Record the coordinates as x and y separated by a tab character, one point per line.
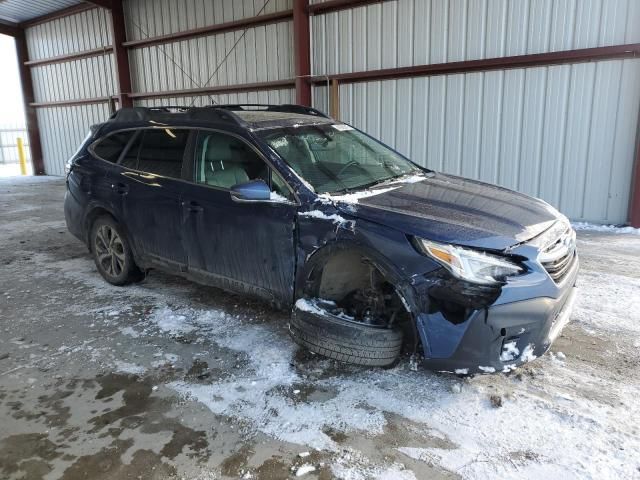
112	252
344	340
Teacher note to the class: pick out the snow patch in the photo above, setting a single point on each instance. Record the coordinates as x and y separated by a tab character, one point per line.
129	332
335	218
304	469
509	351
131	368
527	353
355	196
277	197
605	228
487	369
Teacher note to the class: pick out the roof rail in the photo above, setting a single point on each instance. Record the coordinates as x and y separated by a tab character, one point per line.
285	108
222	113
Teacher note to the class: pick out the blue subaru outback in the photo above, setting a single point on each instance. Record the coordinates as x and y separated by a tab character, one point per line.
374	255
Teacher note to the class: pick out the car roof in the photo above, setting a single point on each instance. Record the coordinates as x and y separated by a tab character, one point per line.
251	117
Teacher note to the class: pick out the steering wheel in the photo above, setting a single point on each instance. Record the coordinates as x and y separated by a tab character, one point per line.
350	164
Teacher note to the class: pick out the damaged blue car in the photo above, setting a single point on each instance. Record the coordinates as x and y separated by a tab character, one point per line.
374	255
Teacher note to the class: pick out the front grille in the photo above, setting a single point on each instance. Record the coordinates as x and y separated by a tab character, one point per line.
558	256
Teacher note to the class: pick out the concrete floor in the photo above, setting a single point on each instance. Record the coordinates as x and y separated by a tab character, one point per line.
169	379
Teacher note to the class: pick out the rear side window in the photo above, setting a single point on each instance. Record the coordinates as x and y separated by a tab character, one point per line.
110	148
162	151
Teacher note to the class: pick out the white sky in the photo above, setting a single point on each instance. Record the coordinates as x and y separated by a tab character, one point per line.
11	109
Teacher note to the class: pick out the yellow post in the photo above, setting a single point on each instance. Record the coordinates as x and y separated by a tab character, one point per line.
22	157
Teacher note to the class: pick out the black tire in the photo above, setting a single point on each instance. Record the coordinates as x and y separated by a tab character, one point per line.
346	341
112	252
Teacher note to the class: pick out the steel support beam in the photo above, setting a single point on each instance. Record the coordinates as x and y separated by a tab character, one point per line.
95	52
33	131
631	50
121	55
302	51
9	28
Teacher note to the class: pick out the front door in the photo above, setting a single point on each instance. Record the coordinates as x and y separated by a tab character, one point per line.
240	246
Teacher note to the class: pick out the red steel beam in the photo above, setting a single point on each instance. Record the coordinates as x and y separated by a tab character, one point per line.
108	4
266	19
9	28
500	63
302	51
96	52
236	88
337	5
121	54
65	12
33	131
72	103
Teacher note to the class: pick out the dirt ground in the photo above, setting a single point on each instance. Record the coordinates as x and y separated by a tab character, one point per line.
169	379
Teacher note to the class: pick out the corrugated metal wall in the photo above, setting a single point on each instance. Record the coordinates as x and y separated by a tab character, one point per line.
564	133
63	128
263	53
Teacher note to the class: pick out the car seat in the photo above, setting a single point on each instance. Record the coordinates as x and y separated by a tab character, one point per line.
218	167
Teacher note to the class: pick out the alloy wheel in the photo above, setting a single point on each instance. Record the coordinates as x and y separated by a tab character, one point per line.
109	250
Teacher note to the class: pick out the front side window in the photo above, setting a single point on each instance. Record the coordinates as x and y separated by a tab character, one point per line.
110	147
337	158
224	161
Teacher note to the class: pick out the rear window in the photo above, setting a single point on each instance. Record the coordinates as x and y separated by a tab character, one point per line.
110	148
162	152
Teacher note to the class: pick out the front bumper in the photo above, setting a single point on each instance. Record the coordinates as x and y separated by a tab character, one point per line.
506	333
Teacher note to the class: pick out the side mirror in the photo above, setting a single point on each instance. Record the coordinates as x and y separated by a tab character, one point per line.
253	191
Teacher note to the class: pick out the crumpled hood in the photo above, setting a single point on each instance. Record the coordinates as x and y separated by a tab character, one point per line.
455	210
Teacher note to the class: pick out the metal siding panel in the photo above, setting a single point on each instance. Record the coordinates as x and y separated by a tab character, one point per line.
554	133
388	112
437	117
625	132
403	108
471	134
492	108
453	124
510	147
602	135
414	32
528	162
457	30
418	126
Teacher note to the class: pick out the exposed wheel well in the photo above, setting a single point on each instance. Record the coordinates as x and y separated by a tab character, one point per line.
358	287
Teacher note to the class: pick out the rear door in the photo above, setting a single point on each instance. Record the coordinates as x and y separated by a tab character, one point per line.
243	246
150	185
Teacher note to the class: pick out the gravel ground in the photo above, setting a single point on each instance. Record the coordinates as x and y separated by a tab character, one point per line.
169	379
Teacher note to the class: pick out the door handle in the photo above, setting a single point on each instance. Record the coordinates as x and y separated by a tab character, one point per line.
193	207
120	188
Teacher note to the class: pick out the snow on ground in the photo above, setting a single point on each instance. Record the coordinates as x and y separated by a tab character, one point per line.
555	421
605	228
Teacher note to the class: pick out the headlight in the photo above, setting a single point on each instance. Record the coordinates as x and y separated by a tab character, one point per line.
470	265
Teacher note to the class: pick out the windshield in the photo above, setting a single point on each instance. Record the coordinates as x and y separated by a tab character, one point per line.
337	158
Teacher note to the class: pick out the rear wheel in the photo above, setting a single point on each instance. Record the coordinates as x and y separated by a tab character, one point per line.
112	252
